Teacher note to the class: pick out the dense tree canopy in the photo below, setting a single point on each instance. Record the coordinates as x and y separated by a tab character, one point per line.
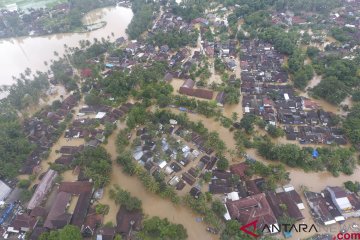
143	14
352	125
123	197
156	228
14	146
68	232
335	160
97	165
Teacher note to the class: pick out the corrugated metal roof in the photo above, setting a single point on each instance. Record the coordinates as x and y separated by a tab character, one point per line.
5	190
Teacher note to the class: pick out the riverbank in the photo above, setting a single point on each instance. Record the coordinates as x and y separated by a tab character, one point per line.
60	17
23	52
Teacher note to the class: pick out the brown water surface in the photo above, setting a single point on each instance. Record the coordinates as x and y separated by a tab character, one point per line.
19	53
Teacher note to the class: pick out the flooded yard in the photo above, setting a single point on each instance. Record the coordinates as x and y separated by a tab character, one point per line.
153	205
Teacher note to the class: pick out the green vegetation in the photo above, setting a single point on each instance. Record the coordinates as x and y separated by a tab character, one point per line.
190	9
351	125
331	90
222	164
102	209
284	42
123	198
352	186
340	75
24	183
274	131
97	165
14	146
174	39
27	92
153	184
68	232
204	207
321	6
143	14
274	174
232	232
156	228
335	160
20	24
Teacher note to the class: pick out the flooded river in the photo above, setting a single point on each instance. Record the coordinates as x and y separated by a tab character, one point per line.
19	53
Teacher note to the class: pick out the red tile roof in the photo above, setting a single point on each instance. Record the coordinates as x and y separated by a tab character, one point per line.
252	208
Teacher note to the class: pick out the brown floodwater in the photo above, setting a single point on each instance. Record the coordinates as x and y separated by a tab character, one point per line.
320	102
20	53
153	205
315	181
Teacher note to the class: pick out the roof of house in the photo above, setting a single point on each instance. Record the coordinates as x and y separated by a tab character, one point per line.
84	190
189	83
252	208
239	169
220	97
291	205
5	190
35	234
127	220
23	221
57	217
38	212
42	189
92	220
107	233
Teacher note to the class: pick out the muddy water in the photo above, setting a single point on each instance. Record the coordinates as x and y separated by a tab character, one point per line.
152	204
20	53
321	103
314	181
44	165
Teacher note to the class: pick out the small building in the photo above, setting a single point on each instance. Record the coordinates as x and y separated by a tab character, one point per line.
5	191
128	221
324	210
42	189
106	233
347	203
220	99
100	115
58	217
252	208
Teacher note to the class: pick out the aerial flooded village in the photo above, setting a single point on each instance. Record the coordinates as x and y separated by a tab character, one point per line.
180	119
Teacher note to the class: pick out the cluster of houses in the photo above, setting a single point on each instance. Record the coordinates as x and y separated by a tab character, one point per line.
71	203
266	95
181	162
248	200
287	19
86	127
43	130
54	205
31	22
348	17
333	205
